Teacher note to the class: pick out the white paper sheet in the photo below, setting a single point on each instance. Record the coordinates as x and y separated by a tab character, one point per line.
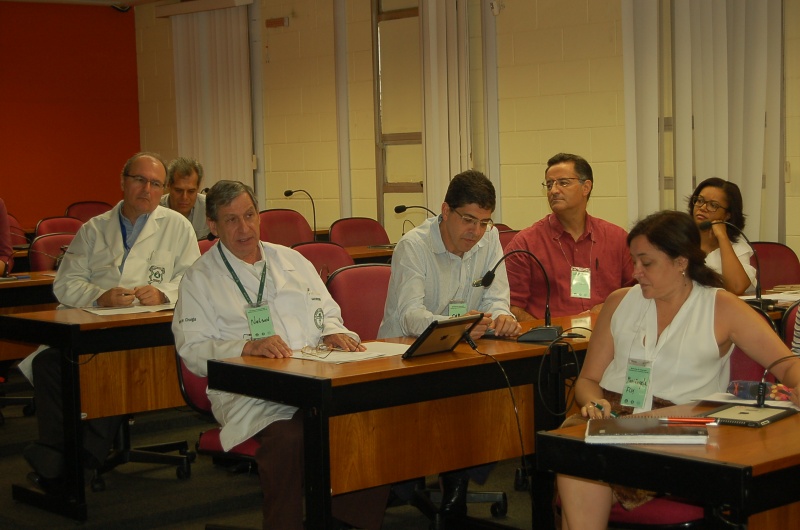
375	350
128	310
724	397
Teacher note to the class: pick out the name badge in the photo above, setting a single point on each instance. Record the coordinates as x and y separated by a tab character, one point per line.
456	308
636	383
581	284
260	321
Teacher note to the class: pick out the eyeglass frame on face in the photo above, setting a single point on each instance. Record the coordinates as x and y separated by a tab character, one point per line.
547	185
711	206
470	220
141	181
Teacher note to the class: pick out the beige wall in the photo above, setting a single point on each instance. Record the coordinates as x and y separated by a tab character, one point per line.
560	89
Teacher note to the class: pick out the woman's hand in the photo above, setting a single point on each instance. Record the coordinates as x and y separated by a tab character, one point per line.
596	409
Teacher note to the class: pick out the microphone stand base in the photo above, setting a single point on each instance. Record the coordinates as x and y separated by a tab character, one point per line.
541	334
762	303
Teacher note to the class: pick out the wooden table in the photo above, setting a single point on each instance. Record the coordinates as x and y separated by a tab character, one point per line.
141	377
34	293
386	420
365	254
745	470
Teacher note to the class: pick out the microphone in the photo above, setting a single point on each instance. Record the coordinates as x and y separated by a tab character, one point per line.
758	302
546	333
289	193
400	208
761	395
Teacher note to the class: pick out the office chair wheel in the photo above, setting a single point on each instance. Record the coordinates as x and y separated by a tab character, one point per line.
191	456
98	483
183	472
499	508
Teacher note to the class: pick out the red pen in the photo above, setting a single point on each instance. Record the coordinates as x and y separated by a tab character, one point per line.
687	421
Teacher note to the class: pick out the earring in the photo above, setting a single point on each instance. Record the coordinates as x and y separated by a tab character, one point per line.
683	273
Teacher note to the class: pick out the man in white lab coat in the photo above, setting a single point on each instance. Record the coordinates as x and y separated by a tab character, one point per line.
134	254
238	279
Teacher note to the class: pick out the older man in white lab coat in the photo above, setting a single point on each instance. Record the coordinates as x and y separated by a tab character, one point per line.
134	254
242	276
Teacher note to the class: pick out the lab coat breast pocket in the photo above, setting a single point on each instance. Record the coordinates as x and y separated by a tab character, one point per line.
159	268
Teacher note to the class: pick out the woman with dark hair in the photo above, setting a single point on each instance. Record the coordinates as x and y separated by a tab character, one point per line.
677	328
718	201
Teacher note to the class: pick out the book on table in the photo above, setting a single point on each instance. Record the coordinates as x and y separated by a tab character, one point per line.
643	430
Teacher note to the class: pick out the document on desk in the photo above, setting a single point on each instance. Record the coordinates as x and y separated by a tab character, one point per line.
784	296
724	397
102	311
375	350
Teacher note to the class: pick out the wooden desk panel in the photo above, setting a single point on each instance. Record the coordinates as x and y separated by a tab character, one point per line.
373	447
22	296
367	252
130	381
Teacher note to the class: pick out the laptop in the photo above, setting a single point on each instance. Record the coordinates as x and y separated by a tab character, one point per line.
442	335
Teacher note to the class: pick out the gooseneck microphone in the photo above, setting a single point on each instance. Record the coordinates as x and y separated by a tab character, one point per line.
761	395
400	208
289	193
546	333
758	302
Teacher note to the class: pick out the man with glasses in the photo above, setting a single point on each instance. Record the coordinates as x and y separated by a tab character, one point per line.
586	258
134	254
184	176
433	267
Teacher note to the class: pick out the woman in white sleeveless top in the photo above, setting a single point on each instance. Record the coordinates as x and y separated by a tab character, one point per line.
680	325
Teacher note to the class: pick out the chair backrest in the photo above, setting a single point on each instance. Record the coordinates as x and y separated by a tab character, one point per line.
193	387
506	236
325	256
502	227
18	237
46	249
360	291
779	264
743	368
85	210
284	227
358	231
204	245
789	328
63	224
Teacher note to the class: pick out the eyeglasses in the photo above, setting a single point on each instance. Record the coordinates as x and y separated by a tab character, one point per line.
562	183
141	181
468	220
321	350
711	206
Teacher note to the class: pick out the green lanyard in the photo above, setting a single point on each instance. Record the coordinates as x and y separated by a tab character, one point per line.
239	283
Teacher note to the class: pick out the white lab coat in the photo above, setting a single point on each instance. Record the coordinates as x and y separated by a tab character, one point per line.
210	323
163	251
165	248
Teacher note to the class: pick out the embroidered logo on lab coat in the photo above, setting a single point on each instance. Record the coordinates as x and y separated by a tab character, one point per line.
156	274
319	317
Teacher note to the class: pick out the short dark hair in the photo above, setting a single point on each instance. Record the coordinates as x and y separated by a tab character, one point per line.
184	167
582	167
143	154
676	235
735	203
222	194
471	187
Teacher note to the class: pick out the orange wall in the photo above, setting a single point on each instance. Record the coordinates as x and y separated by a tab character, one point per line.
69	111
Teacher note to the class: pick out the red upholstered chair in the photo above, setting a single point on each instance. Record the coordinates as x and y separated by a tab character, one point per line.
46	250
63	224
18	238
358	231
788	326
204	245
360	291
501	227
193	388
284	227
779	264
325	256
506	236
85	210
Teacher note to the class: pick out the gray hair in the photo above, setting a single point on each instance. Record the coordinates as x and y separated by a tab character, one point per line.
144	154
223	193
184	167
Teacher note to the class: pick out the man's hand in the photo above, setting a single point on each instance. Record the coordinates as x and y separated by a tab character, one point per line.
521	314
116	297
343	342
149	295
478	331
506	326
271	347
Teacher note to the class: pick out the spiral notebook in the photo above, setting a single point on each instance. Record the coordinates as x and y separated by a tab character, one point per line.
643	430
